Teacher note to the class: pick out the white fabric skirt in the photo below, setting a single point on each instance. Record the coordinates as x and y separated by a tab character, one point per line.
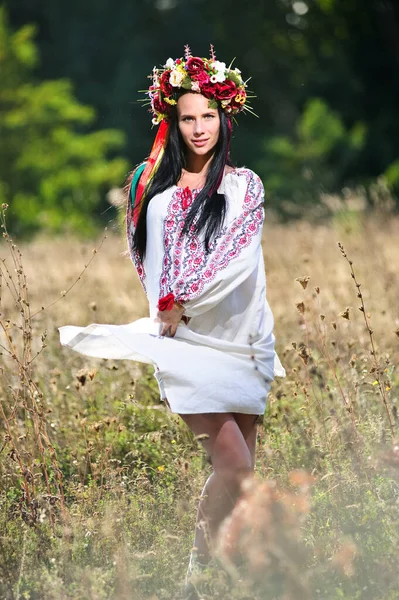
193	375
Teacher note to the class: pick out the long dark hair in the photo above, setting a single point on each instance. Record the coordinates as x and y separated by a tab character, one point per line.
208	209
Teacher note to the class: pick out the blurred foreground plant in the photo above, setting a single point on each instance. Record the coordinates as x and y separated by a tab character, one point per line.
22	405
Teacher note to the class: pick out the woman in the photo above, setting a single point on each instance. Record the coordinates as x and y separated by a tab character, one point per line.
194	227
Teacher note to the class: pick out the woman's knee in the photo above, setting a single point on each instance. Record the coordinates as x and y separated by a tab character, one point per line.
224	442
233	467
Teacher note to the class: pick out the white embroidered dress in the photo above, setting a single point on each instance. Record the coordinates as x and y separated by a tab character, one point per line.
223	359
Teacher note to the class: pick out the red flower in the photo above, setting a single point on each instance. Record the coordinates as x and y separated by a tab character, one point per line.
208	90
158	105
165	86
194	65
202	77
167	302
225	90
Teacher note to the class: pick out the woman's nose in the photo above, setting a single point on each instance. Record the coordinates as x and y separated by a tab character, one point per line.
198	127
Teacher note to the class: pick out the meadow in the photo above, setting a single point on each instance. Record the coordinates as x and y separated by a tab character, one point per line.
99	482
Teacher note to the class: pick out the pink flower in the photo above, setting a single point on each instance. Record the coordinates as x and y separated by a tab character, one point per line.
201	76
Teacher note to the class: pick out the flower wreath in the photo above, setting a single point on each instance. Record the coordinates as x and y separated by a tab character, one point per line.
222	85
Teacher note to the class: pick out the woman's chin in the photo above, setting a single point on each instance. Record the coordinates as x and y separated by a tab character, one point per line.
201	150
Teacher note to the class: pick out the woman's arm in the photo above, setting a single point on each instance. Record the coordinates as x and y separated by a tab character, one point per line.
208	278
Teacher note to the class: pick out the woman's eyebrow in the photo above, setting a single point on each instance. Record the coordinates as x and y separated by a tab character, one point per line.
208	112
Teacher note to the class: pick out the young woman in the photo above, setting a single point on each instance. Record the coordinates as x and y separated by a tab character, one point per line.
194	227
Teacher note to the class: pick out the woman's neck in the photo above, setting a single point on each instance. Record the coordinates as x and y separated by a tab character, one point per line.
198	163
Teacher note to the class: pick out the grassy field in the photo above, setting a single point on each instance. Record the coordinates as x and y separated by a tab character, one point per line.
99	483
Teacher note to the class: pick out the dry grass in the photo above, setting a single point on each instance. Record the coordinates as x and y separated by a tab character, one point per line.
99	482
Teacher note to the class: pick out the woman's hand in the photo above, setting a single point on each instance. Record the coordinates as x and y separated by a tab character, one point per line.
170	319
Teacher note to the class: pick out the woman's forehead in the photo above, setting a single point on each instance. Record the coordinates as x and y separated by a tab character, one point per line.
193	103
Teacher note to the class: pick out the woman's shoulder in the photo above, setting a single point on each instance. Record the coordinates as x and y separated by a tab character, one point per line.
243	173
243	190
243	179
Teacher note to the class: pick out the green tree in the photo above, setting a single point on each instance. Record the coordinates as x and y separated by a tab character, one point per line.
53	172
293	50
297	168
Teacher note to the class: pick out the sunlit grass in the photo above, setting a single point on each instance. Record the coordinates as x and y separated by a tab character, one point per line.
115	518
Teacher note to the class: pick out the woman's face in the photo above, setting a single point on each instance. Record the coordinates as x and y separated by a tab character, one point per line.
199	125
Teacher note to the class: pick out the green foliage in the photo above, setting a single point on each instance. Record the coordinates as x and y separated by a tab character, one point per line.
299	168
392	174
292	52
53	171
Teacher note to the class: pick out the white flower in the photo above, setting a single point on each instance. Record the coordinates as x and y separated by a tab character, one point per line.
170	63
213	79
218	66
195	86
220	76
176	77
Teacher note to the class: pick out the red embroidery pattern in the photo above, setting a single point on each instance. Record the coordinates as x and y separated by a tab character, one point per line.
134	254
187	268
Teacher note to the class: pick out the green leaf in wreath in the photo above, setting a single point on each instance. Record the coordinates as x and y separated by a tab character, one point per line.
235	77
212	103
186	83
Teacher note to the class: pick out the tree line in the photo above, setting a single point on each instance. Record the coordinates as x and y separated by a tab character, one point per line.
324	73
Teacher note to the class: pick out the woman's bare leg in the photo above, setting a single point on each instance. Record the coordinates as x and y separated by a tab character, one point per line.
248	428
230	444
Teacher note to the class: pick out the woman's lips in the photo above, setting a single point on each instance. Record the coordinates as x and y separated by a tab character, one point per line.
199	143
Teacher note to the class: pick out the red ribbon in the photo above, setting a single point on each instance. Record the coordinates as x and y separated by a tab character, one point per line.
159	143
167	302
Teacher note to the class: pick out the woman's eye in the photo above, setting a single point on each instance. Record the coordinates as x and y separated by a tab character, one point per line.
188	119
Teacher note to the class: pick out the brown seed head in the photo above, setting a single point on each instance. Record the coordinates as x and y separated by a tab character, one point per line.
345	313
301	307
303	281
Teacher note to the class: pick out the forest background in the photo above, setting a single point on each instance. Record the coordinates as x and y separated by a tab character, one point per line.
325	76
99	483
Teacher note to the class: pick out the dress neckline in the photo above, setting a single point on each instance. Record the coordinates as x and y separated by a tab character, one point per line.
180	188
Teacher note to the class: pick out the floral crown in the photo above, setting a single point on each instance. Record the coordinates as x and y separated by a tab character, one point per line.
222	85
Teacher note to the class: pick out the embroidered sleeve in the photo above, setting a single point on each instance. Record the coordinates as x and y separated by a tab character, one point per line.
204	279
138	263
